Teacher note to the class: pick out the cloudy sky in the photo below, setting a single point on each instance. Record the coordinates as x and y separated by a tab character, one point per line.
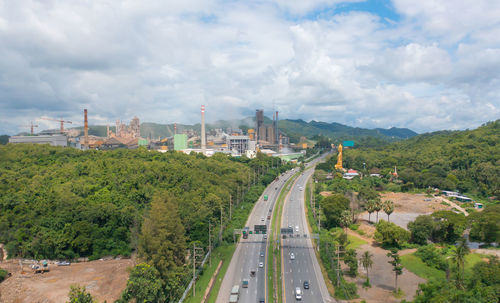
426	65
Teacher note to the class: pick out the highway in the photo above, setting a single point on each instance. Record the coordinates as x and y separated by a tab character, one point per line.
304	266
247	254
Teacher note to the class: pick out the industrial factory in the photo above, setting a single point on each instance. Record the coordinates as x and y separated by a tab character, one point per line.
266	138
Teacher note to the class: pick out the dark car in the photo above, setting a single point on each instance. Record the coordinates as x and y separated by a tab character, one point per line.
261	300
306	284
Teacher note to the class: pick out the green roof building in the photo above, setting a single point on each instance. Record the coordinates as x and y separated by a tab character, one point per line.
180	141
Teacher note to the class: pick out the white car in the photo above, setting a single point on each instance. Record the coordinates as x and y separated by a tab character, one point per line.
298	293
262	219
297	228
292	256
261	264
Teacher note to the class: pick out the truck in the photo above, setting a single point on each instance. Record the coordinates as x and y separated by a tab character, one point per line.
235	291
265	197
244	284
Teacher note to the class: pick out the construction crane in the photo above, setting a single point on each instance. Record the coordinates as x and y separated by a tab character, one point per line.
31	126
58	120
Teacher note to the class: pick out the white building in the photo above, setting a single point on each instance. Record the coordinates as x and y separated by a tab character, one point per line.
54	140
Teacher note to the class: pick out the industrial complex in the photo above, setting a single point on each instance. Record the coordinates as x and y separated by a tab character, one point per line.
265	138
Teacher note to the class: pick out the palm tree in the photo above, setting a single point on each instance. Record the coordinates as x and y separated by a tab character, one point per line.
345	219
378	206
458	258
370	207
367	262
388	208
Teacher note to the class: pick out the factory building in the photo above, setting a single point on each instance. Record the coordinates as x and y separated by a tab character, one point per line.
180	141
54	140
239	144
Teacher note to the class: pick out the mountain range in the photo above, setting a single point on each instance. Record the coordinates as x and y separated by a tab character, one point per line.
294	129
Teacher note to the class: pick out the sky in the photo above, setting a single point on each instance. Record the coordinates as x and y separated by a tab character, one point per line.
425	65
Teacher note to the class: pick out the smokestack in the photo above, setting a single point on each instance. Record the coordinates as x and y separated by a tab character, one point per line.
203	143
276	130
107	130
86	128
175	128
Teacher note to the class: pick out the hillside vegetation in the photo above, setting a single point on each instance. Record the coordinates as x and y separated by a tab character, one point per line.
66	203
468	161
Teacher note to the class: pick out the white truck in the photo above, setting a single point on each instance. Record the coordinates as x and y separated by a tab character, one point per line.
235	291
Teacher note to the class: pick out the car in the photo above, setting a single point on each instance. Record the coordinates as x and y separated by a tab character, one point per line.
261	300
265	237
292	256
306	284
298	293
262	219
262	254
261	264
63	263
297	228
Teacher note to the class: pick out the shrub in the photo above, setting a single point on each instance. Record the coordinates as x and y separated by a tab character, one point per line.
391	235
3	274
432	256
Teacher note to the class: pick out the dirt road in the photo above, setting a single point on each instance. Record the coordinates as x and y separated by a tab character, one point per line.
105	280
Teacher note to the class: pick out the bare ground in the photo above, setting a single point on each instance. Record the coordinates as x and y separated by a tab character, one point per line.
407	207
382	278
105	280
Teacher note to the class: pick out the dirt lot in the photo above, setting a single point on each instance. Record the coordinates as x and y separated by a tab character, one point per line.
407	207
105	280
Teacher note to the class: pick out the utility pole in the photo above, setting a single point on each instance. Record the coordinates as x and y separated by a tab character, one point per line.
210	242
220	232
194	270
230	206
194	267
338	263
319	225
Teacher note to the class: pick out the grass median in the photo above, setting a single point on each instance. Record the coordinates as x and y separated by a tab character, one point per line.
274	250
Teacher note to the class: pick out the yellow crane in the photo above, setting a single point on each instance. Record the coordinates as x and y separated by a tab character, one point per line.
58	120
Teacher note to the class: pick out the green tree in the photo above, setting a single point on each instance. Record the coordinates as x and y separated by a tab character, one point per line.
351	260
370	208
332	207
388	208
391	235
367	262
162	243
485	225
396	266
144	285
421	229
345	219
458	258
78	294
378	206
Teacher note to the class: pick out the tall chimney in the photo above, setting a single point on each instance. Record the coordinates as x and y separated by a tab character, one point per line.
107	130
175	128
276	131
203	143
86	128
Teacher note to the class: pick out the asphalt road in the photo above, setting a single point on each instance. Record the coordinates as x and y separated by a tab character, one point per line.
305	266
247	254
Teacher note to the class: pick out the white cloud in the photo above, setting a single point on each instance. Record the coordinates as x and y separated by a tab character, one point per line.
437	67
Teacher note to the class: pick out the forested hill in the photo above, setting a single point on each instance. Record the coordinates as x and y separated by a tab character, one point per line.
66	203
465	160
339	132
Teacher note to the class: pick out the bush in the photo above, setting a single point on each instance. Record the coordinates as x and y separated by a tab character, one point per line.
391	235
3	274
346	291
432	256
